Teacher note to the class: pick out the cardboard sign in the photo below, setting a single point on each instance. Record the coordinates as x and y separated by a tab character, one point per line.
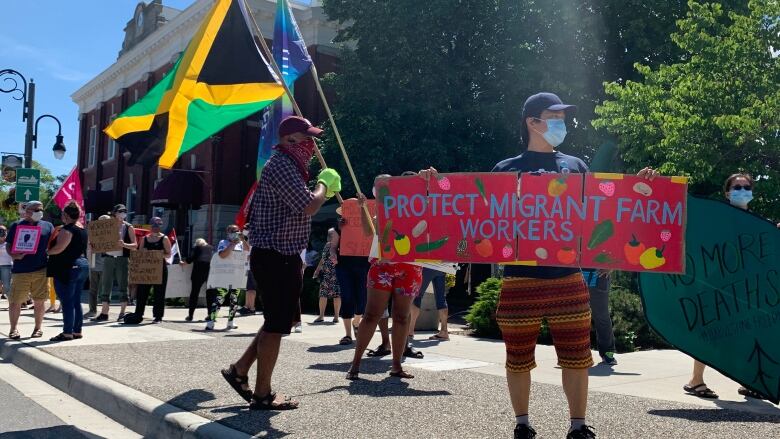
146	267
229	272
579	220
26	239
104	235
725	309
179	282
354	239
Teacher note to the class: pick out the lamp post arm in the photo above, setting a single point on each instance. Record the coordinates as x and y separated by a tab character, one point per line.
10	84
35	131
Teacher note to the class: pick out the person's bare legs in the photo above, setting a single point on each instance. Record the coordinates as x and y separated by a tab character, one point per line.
698	374
336	307
575	386
267	353
249	300
444	315
375	307
39	311
14	311
323	304
105	307
401	311
347	327
248	358
519	391
415	313
384	331
123	307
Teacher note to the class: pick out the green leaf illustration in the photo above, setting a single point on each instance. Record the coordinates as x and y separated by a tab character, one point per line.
601	233
481	189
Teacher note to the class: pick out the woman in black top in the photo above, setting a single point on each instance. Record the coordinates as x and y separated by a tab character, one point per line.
200	257
156	240
69	268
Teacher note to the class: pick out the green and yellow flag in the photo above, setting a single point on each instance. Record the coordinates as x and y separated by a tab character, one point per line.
221	78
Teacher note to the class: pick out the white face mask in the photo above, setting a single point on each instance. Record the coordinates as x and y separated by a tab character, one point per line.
121	215
37	216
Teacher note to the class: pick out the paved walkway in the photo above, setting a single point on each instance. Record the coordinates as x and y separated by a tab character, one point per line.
459	389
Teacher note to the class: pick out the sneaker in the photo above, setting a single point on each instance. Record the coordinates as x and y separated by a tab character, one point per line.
609	359
230	325
584	432
90	314
298	328
188	319
523	431
100	318
121	317
2	296
246	311
210	325
156	321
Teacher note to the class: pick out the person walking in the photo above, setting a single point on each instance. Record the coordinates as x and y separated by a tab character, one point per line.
329	285
200	258
598	282
216	297
155	240
28	274
115	266
69	268
280	225
250	297
6	264
440	292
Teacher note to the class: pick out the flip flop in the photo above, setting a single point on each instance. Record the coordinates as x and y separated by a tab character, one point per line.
750	393
412	353
438	337
702	391
380	351
345	341
401	374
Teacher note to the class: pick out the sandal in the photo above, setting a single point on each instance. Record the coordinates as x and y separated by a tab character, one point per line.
61	337
439	337
318	320
412	353
380	351
750	393
353	376
77	336
346	340
401	374
37	334
269	403
239	383
702	391
14	335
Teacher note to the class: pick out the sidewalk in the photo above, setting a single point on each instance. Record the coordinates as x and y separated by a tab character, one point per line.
459	389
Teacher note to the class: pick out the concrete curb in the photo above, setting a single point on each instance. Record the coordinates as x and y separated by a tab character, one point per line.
135	410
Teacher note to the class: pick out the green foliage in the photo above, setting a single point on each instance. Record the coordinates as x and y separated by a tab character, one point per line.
715	111
628	322
482	314
49	186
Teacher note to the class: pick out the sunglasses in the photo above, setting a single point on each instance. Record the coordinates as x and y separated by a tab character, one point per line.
36	210
739	187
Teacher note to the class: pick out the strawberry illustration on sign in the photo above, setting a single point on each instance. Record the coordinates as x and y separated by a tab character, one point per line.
444	183
507	251
607	188
666	235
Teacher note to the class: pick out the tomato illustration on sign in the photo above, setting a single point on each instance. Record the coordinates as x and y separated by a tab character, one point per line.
557	186
633	250
652	258
567	255
484	247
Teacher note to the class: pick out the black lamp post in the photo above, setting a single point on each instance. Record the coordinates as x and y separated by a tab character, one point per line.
10	83
59	145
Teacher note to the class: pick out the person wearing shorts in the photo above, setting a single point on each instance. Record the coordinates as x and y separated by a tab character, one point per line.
279	228
6	264
557	294
28	274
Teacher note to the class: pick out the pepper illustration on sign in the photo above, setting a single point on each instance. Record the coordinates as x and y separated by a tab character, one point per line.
431	246
402	243
633	250
444	183
481	189
557	186
567	255
601	233
652	258
484	247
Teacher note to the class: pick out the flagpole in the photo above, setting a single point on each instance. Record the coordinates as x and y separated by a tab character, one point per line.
278	72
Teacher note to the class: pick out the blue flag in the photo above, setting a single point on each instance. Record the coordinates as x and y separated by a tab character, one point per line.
293	59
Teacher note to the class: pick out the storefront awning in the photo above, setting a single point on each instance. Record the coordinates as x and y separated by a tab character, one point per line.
180	188
99	202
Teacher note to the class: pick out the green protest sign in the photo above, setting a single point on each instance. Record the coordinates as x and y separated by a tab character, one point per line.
28	184
725	310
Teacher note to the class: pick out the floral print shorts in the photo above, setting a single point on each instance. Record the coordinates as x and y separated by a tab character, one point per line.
404	279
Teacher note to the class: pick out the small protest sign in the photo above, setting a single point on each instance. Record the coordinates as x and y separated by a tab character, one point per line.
146	267
355	238
26	239
229	272
179	282
104	235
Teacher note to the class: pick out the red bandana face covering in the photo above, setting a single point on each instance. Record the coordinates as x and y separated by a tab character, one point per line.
301	153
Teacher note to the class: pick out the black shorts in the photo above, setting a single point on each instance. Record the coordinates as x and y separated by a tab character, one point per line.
251	285
279	282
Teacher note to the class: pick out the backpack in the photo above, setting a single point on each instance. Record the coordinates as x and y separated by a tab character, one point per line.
132	319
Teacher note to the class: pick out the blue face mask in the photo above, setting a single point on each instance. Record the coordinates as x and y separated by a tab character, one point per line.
556	131
740	197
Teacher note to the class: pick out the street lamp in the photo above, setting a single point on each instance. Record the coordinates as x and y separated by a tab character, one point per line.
10	83
59	145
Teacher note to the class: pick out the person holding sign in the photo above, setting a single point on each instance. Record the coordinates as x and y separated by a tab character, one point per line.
279	229
155	240
216	297
559	294
69	267
115	266
27	242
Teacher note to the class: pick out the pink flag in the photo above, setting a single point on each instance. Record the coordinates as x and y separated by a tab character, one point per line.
70	190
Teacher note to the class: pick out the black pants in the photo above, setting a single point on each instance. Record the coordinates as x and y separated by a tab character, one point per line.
142	295
198	279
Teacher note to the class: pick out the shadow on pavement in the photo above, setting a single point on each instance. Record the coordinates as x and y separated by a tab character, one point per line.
367	367
257	423
59	432
603	370
329	349
727	413
381	389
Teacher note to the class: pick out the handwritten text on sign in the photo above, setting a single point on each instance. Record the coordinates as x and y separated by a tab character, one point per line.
355	237
146	267
104	235
589	220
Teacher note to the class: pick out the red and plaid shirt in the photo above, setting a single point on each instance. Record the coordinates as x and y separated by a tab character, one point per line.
277	219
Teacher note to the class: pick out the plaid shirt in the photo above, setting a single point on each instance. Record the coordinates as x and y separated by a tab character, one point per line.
277	220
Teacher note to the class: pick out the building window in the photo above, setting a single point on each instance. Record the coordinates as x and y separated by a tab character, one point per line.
107	184
111	142
135	95
92	145
193	161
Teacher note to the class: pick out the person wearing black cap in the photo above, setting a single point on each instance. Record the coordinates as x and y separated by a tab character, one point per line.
115	266
558	294
279	229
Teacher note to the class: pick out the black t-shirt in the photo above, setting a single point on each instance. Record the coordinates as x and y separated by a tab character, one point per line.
360	262
61	264
532	161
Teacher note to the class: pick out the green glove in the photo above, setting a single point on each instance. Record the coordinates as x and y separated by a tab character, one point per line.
330	178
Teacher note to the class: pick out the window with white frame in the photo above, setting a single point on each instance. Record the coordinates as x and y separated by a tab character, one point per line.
111	141
92	145
193	161
135	97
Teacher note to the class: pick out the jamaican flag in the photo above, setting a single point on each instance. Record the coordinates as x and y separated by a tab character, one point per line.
221	78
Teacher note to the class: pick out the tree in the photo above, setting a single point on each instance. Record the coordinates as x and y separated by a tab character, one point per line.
49	186
713	113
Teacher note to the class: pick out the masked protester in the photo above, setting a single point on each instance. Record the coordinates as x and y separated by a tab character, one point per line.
738	190
279	229
28	274
155	240
115	266
215	298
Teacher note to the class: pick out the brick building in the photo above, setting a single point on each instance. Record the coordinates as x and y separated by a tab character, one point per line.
203	192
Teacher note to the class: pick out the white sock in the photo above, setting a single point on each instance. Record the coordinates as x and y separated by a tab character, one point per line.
576	423
522	419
